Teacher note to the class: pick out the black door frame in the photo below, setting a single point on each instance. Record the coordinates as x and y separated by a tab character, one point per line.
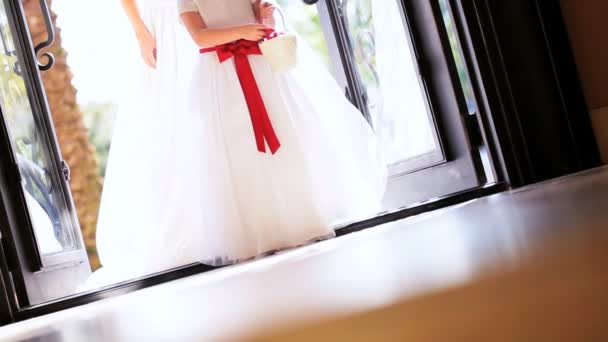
499	88
27	270
532	107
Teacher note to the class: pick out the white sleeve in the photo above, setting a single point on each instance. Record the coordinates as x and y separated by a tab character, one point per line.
186	6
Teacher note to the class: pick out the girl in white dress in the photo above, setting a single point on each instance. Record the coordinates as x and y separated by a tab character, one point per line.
313	164
140	215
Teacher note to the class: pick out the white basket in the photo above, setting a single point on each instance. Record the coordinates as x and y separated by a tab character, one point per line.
281	51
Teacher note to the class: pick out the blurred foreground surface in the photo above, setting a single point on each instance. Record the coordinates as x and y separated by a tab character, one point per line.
526	265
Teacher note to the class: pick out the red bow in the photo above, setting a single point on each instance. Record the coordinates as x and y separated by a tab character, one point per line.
262	127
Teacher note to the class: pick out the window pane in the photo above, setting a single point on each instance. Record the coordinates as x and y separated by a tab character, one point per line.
394	95
46	203
392	89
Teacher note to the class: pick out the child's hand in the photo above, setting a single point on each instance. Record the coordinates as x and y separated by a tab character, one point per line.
147	46
266	12
253	32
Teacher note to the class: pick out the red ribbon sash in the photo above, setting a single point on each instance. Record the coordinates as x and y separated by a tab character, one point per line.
262	126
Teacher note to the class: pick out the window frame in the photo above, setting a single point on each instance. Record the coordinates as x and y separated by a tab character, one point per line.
41	113
522	138
459	165
26	268
343	60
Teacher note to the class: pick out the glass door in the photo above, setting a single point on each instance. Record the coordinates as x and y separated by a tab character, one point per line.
393	59
46	252
395	62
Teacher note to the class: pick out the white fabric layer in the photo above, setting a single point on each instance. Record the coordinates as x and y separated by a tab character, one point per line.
328	169
139	228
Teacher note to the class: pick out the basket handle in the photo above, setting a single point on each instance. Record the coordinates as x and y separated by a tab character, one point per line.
281	14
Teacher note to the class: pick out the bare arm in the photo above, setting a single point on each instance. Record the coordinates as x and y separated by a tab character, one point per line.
208	37
130	8
147	42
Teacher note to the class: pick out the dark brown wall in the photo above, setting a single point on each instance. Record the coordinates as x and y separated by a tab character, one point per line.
587	24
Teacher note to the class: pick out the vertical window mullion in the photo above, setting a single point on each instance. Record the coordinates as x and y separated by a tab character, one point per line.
339	44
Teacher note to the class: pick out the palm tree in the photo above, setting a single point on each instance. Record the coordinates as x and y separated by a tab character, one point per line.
72	133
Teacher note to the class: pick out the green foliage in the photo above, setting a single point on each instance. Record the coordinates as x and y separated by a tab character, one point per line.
16	108
98	118
305	20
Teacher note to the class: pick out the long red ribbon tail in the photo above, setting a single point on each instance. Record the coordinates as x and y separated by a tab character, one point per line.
262	126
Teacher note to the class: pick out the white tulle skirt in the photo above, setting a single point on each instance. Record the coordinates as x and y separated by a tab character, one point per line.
185	182
141	225
328	171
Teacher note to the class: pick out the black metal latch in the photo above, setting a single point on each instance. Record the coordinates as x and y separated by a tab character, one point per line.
65	170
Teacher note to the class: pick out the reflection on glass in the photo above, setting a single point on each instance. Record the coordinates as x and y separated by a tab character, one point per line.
53	228
463	75
395	98
305	20
380	45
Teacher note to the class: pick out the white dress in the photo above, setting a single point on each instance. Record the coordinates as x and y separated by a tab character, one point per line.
327	171
141	225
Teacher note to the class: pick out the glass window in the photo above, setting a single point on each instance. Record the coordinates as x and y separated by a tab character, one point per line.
53	228
386	75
